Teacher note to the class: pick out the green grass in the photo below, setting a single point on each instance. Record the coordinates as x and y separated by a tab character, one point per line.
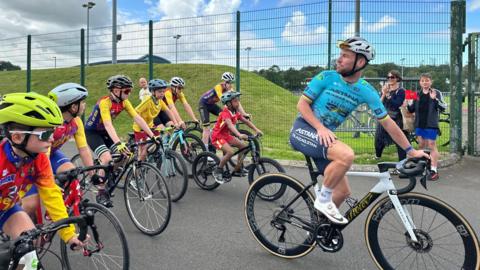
273	108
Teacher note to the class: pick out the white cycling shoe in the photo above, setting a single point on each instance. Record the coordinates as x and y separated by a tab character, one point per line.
330	211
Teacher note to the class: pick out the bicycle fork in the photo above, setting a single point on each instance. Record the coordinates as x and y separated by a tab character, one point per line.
404	214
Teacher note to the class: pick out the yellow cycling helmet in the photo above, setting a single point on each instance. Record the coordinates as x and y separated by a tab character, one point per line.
29	109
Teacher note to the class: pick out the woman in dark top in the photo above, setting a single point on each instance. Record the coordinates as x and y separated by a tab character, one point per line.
427	109
392	97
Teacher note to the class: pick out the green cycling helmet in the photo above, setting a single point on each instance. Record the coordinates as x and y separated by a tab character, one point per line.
29	109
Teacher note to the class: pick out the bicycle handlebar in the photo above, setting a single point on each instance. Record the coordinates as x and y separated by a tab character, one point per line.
24	243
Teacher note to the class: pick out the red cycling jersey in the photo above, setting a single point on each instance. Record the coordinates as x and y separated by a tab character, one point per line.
221	129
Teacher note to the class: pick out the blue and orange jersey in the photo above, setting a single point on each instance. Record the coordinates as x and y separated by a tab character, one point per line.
16	182
213	95
105	110
65	132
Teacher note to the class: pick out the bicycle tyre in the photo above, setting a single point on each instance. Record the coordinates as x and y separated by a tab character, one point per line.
192	147
148	185
176	177
260	170
260	232
115	225
202	170
409	201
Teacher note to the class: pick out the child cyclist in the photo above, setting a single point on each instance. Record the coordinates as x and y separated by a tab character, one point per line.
174	93
222	133
28	121
101	135
208	103
70	97
149	109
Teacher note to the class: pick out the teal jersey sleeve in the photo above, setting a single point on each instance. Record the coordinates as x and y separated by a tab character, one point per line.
373	100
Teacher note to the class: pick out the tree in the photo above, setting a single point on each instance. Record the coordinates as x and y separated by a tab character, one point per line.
6	65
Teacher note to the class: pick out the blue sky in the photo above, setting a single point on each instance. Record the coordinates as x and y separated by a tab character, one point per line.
394	27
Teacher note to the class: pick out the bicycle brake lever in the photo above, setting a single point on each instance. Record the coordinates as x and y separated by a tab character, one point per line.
423	181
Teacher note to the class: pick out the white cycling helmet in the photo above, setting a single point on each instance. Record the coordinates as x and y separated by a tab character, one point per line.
177	82
228	77
358	45
68	93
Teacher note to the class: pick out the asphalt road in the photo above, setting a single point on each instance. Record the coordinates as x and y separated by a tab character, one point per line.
207	229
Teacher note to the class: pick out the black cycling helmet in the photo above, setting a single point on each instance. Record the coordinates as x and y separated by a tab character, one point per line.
119	81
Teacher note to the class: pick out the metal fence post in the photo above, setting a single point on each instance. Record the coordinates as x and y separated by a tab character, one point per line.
82	57
29	61
329	63
457	26
150	50
472	85
237	65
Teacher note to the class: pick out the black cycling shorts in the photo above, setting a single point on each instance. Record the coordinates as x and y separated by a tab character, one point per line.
161	118
98	141
205	110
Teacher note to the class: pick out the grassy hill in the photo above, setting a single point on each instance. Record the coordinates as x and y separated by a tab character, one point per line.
273	107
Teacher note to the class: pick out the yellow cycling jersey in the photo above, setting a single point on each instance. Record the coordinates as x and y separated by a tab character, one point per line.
148	110
170	98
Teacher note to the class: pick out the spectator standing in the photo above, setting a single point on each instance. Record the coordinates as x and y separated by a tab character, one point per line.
427	110
392	98
144	92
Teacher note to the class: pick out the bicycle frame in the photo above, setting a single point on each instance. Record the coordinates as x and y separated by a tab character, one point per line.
385	184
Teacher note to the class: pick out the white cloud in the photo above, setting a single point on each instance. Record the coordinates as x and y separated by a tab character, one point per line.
148	2
382	23
205	39
296	31
474	5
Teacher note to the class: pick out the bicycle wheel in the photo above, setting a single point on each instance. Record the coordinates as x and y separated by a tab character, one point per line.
202	169
264	166
174	170
147	199
191	147
446	240
114	252
277	229
444	128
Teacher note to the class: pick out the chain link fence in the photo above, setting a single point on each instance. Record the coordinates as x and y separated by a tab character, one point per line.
272	52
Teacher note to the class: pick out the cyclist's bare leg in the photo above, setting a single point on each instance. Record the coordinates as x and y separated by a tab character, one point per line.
104	159
205	135
239	144
17	223
227	154
341	156
142	149
341	192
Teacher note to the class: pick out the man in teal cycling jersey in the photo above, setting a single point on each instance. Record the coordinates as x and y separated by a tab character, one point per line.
325	104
